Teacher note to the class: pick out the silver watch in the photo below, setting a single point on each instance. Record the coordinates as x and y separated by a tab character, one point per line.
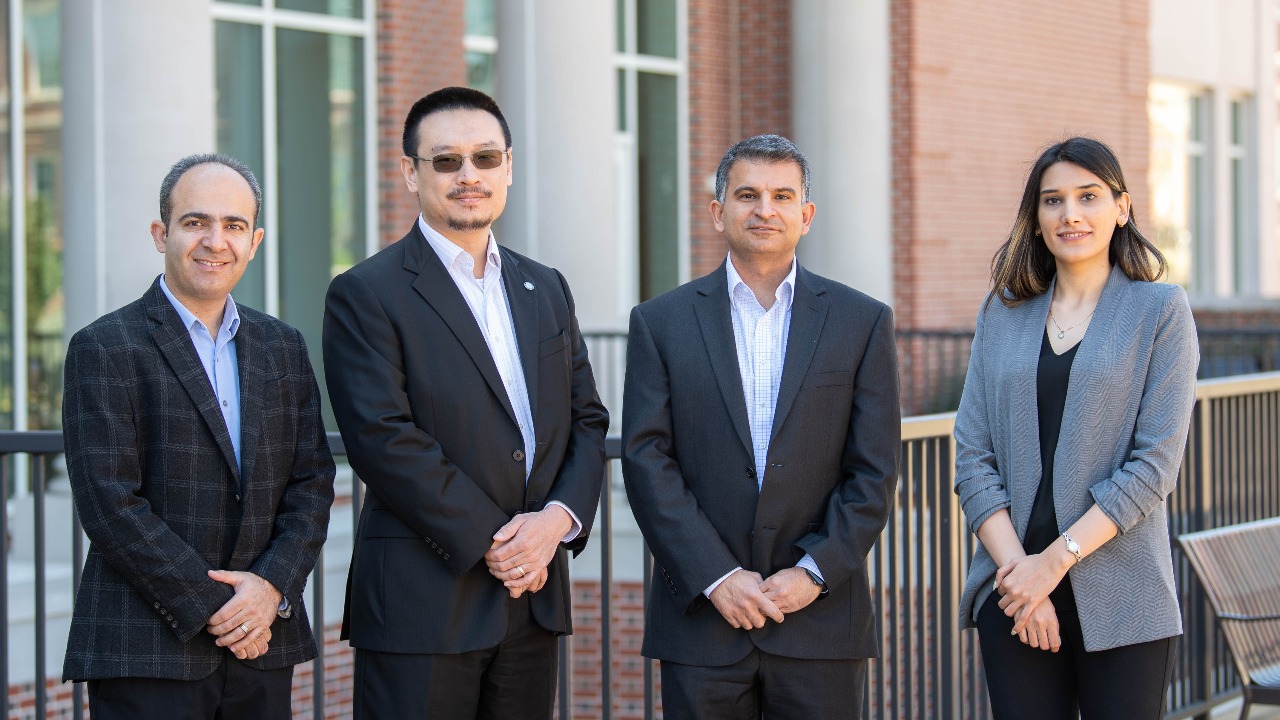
1072	546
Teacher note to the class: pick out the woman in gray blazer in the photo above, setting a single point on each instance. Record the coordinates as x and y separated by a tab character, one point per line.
1069	437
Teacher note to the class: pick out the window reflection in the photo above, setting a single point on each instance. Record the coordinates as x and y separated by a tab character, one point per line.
42	116
1177	179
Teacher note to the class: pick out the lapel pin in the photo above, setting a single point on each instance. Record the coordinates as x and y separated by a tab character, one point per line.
528	286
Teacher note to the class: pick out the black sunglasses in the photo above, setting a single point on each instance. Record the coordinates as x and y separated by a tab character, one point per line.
452	162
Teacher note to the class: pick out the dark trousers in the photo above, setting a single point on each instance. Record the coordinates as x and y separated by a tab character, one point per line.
515	679
234	691
764	685
1125	683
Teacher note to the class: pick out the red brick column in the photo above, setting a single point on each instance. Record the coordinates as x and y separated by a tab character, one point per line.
978	90
739	85
419	50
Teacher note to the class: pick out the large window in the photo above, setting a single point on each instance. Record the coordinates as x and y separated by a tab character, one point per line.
292	84
1179	180
480	46
1204	188
652	146
31	299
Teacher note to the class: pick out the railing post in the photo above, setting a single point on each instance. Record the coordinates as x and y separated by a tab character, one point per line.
5	460
646	570
41	628
606	590
317	629
1202	429
77	569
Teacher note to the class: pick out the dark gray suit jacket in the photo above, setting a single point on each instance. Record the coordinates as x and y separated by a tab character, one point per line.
429	428
163	502
690	472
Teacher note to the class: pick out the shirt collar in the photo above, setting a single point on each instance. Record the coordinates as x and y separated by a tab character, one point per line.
230	315
449	251
784	294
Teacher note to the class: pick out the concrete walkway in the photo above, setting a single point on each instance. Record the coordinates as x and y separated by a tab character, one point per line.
1231	711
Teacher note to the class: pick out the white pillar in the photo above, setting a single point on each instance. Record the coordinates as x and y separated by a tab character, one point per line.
556	86
138	95
840	112
1264	107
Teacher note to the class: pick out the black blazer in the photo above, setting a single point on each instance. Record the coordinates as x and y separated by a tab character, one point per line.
161	498
429	429
690	473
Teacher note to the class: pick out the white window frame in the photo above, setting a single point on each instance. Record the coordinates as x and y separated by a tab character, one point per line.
627	148
270	18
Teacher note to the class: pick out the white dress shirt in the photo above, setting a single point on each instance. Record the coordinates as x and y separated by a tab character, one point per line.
760	337
487	298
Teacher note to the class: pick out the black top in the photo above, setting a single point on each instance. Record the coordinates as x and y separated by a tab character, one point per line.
1052	377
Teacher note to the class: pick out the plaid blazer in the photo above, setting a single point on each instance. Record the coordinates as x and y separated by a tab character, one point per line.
160	496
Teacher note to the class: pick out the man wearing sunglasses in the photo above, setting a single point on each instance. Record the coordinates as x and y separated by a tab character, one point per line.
467	405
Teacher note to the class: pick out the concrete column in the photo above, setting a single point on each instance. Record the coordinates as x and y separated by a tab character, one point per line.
138	79
840	112
557	88
1264	107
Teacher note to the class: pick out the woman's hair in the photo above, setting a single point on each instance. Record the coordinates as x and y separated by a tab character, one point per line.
1023	266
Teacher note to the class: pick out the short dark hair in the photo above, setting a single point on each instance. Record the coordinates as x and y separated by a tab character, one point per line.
762	148
450	98
1023	266
181	167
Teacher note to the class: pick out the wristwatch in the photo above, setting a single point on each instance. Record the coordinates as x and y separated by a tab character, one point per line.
1072	546
816	581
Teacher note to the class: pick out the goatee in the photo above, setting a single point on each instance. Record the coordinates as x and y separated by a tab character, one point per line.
466	224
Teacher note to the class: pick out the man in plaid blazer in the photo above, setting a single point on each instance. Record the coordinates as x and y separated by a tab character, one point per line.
201	475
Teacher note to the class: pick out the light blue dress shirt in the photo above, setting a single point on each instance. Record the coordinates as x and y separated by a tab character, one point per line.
219	360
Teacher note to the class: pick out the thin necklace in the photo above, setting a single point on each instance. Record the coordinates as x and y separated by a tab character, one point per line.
1063	333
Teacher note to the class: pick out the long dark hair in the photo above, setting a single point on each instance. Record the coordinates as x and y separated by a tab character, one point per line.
1023	266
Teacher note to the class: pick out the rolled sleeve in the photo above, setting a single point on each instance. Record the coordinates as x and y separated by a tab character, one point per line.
979	485
1150	472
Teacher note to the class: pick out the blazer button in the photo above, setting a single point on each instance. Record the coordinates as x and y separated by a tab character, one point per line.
446	556
174	624
751	472
518	456
157	605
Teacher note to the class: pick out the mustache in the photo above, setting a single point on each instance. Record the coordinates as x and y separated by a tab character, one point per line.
459	192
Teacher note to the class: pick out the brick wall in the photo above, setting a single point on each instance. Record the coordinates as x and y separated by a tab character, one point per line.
978	90
739	85
419	50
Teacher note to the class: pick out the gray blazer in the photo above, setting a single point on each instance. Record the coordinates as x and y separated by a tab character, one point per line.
1124	431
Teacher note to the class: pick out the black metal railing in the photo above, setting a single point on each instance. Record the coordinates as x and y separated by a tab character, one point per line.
927	667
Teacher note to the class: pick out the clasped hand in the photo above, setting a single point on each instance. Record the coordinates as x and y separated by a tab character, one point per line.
1024	585
243	624
745	599
523	548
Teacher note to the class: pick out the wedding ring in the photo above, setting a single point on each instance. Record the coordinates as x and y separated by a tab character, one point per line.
521	569
244	629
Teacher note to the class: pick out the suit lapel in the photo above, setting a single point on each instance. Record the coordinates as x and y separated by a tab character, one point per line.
808	313
436	286
522	298
251	367
174	342
713	313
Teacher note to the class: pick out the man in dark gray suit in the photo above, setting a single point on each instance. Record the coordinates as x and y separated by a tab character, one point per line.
760	442
201	475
